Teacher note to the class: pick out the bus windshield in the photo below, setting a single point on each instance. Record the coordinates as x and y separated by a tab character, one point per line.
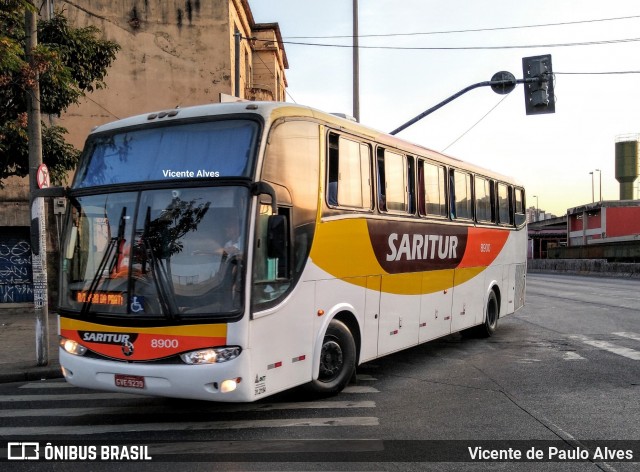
210	149
171	253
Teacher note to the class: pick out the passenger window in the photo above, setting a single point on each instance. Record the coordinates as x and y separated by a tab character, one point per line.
462	195
393	180
349	173
504	207
520	212
432	199
484	202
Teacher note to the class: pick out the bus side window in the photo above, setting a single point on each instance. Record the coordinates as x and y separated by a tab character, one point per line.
271	271
411	184
463	200
504	210
485	212
432	200
520	213
382	196
333	170
348	173
393	172
292	167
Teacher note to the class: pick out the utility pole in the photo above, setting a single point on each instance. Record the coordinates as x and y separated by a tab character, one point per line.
38	216
356	64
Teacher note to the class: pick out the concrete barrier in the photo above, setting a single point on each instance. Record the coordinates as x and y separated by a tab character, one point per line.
600	267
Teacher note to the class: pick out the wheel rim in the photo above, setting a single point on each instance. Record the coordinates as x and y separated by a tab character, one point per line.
331	360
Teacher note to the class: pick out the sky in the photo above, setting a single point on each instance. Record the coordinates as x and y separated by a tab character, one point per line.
552	155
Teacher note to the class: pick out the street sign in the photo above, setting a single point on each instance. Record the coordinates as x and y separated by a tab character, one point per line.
43	177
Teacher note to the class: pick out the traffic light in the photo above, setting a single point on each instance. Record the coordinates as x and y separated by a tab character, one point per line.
538	93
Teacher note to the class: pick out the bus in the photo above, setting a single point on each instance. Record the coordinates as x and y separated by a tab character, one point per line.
227	252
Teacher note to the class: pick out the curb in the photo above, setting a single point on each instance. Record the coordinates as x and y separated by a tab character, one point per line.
52	371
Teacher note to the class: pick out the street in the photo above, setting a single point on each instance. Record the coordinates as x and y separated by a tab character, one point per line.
563	371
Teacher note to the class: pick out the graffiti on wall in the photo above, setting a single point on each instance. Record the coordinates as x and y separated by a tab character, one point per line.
16	279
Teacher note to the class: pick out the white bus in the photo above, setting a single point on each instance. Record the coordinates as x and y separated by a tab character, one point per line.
228	252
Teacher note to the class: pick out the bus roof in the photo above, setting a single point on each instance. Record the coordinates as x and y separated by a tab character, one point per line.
271	111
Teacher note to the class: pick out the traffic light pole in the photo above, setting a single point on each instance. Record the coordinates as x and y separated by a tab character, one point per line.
505	84
538	94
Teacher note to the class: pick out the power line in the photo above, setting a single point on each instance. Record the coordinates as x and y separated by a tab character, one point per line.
476	123
273	75
475	30
599	73
468	48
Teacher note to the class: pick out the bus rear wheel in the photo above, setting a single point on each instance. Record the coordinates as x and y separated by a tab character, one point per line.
337	360
492	314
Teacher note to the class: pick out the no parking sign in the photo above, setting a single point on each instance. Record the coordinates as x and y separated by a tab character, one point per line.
43	177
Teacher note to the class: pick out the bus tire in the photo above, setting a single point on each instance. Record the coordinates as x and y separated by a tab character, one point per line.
492	313
337	360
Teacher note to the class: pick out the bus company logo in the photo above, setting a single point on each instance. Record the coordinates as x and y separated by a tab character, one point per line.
124	339
411	247
127	348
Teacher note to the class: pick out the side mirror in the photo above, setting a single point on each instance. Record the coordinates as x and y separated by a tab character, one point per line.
277	237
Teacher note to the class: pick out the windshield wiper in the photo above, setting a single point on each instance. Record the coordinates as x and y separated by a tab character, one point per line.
159	273
108	259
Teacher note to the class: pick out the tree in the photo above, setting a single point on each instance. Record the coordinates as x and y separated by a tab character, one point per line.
70	62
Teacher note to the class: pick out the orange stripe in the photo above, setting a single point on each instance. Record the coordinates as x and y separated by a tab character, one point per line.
483	246
148	343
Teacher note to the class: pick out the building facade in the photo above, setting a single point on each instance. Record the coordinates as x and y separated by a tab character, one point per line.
604	222
177	54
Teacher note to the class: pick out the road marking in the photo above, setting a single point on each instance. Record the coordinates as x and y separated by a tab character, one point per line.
634	336
72	397
47	385
360	389
80	430
572	356
365	377
268	446
527	360
610	347
216	409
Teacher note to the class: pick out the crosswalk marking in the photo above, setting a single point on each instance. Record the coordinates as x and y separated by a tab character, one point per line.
76	397
140	410
82	430
610	347
365	377
339	412
359	389
572	356
47	385
634	336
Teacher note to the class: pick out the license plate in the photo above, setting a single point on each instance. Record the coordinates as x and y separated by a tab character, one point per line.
129	381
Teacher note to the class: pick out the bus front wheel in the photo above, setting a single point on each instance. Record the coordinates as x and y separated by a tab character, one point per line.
337	360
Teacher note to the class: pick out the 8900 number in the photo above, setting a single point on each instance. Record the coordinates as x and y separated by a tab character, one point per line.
164	343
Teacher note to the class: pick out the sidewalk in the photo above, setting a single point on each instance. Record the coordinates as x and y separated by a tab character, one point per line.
18	347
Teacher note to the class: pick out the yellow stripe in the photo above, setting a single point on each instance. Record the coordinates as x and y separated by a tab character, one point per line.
209	330
343	249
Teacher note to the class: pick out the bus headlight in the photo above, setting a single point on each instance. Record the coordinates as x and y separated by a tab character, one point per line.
211	356
72	347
